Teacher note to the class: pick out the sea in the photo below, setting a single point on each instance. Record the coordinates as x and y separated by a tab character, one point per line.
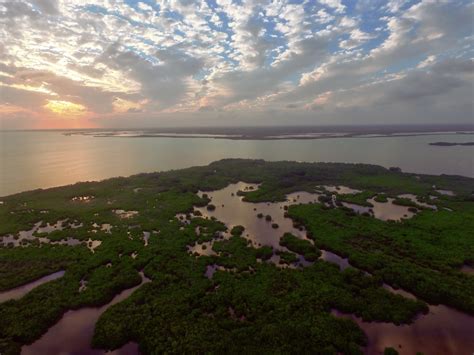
42	159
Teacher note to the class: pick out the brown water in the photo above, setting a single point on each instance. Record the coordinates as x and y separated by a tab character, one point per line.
126	214
340	189
104	227
73	333
445	192
16	239
389	211
385	211
381	210
467	269
83	198
343	263
20	291
414	199
443	331
233	211
146	237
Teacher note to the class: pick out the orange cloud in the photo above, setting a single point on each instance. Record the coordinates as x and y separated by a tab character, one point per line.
65	108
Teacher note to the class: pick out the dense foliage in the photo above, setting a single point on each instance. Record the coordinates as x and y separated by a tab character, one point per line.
250	304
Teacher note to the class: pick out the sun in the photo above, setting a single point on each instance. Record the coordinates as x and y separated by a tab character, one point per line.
65	108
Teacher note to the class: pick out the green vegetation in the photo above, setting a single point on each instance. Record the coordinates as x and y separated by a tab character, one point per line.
21	265
358	199
420	255
300	246
237	231
381	198
250	304
208	229
390	351
264	252
287	257
404	202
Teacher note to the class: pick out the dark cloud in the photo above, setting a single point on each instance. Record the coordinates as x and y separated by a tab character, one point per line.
49	7
30	100
206	108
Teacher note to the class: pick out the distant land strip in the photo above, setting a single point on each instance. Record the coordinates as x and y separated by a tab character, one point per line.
450	144
264	136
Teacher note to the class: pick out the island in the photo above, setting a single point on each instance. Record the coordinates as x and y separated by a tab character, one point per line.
451	144
184	261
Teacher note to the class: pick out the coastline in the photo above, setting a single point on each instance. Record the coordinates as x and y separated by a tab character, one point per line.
452	144
149	173
47	159
297	136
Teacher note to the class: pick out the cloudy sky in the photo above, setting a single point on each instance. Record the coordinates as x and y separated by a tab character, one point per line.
128	63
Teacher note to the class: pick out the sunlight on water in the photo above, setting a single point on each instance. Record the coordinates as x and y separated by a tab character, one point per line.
43	159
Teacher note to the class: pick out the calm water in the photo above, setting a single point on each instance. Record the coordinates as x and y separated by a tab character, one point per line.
20	291
43	159
73	333
442	331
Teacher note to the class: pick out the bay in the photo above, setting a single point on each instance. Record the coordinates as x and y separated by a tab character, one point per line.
42	159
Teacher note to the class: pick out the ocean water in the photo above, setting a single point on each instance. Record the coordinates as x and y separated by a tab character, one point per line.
41	159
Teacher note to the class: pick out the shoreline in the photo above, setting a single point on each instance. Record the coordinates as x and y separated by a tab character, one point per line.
302	136
452	144
81	158
311	211
100	180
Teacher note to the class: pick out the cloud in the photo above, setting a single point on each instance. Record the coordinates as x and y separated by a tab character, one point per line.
334	4
230	62
165	82
443	93
440	81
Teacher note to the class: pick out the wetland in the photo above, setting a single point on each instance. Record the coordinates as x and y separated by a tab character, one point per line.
327	257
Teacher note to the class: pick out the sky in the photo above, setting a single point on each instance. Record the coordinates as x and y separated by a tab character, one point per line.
128	63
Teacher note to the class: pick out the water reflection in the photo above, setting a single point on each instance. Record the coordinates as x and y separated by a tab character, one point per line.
414	199
125	214
385	211
146	237
73	333
45	159
467	269
340	189
442	331
233	211
389	211
445	192
343	263
20	291
24	237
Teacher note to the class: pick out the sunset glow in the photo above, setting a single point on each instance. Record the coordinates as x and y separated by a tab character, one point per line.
156	63
236	176
65	108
